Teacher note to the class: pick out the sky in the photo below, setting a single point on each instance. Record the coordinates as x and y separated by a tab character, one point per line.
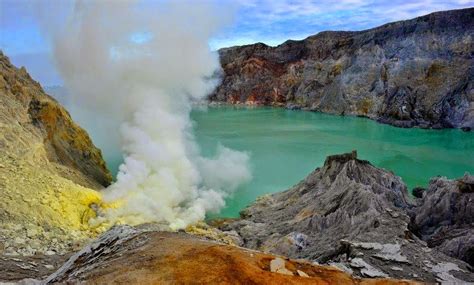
268	21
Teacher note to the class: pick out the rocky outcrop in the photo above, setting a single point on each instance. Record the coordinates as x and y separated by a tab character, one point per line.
411	73
145	256
445	217
49	169
350	214
31	119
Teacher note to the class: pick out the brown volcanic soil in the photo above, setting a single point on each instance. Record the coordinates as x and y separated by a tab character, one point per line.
179	258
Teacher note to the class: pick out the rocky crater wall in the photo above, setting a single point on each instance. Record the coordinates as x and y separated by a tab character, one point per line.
410	73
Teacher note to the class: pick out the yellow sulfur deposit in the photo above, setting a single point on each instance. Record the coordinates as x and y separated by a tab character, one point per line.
46	205
204	230
48	165
72	202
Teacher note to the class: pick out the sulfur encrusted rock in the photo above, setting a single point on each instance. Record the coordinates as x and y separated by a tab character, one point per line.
49	171
445	217
36	128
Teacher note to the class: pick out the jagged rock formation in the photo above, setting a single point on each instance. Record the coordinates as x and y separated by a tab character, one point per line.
411	73
48	169
350	214
145	256
445	217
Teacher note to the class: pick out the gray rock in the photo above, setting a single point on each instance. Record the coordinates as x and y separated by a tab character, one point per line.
366	269
344	211
278	265
409	73
445	217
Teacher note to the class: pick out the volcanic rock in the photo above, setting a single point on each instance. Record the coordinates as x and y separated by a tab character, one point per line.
445	217
36	127
49	170
410	73
142	256
350	214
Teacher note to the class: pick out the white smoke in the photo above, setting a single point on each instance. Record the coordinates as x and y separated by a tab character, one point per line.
141	65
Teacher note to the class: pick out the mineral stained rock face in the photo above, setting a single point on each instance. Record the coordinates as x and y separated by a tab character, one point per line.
445	217
129	255
411	73
353	215
34	126
49	169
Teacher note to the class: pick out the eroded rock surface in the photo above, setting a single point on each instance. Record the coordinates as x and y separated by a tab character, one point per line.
445	217
410	73
129	255
350	214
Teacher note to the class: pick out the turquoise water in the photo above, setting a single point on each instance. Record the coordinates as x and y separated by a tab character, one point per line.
285	146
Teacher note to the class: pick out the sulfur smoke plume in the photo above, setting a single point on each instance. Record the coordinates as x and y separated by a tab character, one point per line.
143	64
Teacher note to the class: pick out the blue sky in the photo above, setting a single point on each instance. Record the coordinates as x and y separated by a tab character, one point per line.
268	21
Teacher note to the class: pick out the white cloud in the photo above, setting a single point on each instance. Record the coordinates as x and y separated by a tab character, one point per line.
272	22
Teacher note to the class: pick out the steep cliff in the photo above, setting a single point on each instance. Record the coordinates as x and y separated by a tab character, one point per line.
49	169
411	73
35	127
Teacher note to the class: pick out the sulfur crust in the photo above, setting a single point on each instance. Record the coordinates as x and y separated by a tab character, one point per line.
54	207
49	198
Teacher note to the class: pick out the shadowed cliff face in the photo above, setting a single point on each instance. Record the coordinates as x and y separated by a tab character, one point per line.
410	73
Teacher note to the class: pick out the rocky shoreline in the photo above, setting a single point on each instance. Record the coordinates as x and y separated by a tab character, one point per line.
415	73
292	107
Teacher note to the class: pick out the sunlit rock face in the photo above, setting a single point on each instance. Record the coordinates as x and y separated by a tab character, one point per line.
49	170
409	73
36	127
